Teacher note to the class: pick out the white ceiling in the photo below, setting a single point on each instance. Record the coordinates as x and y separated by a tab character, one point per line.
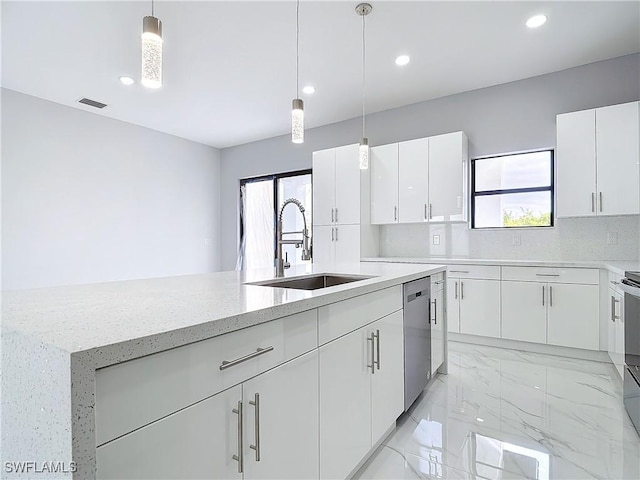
229	67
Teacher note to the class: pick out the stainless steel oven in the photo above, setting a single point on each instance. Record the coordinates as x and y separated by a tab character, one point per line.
631	286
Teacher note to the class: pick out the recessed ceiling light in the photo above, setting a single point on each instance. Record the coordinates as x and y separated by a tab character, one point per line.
536	21
402	60
480	419
309	89
127	80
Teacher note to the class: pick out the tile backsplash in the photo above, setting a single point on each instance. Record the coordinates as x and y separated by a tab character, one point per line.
600	238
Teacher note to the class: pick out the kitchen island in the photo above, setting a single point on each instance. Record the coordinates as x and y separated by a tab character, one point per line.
57	341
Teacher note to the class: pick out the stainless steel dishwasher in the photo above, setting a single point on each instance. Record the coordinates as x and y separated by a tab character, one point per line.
417	338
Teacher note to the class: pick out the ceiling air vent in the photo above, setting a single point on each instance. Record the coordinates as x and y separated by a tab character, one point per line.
92	103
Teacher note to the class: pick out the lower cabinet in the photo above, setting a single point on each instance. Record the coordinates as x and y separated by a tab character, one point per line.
437	322
361	392
524	311
475	304
573	316
266	427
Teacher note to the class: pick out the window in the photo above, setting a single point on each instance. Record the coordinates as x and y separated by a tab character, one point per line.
260	200
513	190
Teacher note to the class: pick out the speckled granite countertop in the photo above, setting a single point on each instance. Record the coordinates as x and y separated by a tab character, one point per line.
618	266
54	339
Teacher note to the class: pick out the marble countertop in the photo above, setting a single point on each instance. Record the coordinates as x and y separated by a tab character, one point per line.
617	266
118	321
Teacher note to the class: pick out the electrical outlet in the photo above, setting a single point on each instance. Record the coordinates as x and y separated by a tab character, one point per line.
516	241
208	242
612	238
436	239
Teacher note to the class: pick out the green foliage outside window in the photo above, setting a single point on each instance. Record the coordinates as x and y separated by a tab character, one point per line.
526	218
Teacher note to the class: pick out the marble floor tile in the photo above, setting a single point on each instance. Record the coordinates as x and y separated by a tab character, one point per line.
507	414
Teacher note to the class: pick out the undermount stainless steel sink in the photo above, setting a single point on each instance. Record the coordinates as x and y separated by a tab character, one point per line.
312	282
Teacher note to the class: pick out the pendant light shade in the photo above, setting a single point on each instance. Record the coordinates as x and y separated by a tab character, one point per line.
363	10
297	121
151	52
297	110
364	153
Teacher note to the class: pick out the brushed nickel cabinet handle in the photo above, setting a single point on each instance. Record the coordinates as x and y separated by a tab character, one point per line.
601	201
425	211
378	348
435	311
593	202
461	290
430	211
613	309
238	457
256	403
333	239
456	295
550	296
395	213
260	351
547	274
332	218
371	339
336	215
336	234
458	271
543	295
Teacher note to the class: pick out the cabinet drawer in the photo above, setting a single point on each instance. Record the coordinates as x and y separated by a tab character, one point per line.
437	283
614	281
135	393
486	272
343	317
589	276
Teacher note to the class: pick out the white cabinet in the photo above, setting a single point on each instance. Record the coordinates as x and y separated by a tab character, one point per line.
420	180
281	421
413	181
437	322
597	161
361	393
615	330
556	306
339	243
524	311
473	300
336	186
448	156
384	184
197	442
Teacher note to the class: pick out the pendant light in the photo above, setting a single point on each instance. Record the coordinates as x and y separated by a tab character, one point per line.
151	51
297	110
363	10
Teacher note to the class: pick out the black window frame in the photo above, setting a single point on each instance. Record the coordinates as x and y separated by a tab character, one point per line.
273	177
550	188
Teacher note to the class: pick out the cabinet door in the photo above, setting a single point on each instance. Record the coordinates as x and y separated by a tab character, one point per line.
619	333
572	319
447	157
345	403
576	164
384	184
413	181
324	192
323	244
437	326
480	307
617	152
285	432
453	305
347	243
611	324
347	185
524	311
387	380
197	442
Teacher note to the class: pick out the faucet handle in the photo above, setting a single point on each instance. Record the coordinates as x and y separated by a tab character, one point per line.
286	261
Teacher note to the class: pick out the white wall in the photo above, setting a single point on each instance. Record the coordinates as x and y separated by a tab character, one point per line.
86	198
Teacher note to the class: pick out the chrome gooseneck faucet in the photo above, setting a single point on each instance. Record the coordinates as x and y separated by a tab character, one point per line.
282	263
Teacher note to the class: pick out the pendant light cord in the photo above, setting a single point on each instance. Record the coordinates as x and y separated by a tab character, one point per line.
298	49
363	74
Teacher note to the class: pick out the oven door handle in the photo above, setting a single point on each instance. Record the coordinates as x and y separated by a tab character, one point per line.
629	289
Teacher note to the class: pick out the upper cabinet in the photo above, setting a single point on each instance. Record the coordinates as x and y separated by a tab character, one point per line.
336	186
419	180
598	151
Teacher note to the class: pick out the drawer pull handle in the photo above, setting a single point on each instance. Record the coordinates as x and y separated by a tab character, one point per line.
458	271
547	274
371	339
614	282
260	351
239	457
377	362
